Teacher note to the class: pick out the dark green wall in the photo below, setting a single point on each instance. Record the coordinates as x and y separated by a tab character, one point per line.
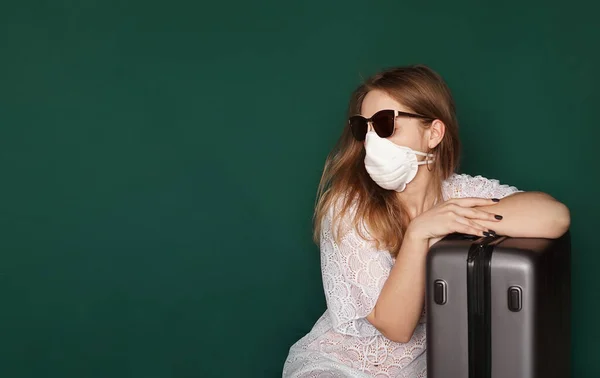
159	163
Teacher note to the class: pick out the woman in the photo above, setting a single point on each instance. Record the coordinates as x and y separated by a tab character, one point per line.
387	193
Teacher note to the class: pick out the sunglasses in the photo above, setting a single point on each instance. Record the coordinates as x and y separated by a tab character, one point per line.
384	123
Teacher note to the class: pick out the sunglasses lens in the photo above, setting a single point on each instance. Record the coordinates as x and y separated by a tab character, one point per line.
359	126
384	123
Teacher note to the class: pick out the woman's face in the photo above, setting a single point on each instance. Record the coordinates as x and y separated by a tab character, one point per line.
409	132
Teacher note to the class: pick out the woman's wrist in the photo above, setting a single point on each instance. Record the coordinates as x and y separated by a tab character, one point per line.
414	243
412	236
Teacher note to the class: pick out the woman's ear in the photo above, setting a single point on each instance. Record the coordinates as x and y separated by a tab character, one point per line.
436	133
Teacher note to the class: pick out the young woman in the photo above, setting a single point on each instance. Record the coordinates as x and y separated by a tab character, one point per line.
389	190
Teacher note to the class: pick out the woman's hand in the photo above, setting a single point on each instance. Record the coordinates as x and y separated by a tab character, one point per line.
455	215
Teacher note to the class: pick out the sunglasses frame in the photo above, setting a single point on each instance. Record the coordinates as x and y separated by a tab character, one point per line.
397	113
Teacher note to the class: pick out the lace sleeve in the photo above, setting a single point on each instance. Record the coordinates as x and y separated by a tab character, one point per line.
463	185
353	272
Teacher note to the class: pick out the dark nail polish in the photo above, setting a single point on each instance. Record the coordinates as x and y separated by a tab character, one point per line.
492	232
495	200
485	233
499	217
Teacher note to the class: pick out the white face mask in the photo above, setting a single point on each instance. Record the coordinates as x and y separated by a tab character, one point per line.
391	166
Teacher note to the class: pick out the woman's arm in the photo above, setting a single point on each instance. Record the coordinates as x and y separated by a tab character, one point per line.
529	214
525	214
400	302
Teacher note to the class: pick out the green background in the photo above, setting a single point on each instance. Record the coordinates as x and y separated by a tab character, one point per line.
159	164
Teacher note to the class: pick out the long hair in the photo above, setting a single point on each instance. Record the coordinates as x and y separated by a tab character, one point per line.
345	181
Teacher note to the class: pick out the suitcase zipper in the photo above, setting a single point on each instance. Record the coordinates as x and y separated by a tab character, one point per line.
479	306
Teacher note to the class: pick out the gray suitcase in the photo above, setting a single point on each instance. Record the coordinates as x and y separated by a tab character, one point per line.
499	307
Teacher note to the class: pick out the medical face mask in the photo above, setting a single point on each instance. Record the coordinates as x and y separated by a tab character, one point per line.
391	166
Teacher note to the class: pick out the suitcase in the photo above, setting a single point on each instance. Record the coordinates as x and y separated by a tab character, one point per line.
499	307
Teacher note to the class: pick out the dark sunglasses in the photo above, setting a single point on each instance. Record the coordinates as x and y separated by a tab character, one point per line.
384	123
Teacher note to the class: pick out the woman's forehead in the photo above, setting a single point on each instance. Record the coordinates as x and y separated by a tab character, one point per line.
377	100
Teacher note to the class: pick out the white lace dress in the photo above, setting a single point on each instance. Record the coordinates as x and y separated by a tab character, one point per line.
343	343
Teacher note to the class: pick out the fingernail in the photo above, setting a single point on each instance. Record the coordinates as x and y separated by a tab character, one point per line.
495	200
492	232
485	233
499	217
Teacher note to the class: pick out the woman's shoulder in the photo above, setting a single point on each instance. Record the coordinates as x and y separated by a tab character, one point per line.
342	209
464	185
342	220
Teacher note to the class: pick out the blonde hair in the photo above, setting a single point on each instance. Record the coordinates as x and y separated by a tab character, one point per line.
345	180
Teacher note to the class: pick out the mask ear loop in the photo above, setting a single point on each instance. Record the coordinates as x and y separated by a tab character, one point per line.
427	159
430	152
